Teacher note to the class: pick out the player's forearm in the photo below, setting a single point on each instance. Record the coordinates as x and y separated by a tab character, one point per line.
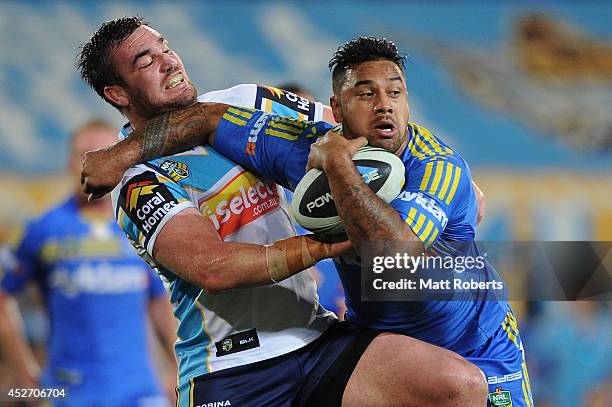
223	265
172	132
365	216
13	344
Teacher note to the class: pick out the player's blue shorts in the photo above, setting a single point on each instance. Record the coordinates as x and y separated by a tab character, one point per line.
293	379
502	360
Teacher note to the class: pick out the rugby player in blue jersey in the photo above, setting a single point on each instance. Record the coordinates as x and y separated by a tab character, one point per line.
99	296
236	347
436	209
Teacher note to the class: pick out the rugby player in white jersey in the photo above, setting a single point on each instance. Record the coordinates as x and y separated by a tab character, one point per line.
262	339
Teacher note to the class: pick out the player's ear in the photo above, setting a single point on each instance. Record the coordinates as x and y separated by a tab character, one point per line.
334	103
117	94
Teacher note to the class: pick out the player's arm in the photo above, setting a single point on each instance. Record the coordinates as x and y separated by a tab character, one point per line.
190	246
164	324
163	135
12	339
159	214
15	347
365	216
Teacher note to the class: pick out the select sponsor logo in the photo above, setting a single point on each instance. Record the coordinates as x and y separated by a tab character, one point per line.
147	201
241	201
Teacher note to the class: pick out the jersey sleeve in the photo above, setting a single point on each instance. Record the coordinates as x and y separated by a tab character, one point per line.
274	146
270	100
145	201
23	266
436	187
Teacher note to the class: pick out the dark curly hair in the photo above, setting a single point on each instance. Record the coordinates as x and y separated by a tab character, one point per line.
94	58
359	50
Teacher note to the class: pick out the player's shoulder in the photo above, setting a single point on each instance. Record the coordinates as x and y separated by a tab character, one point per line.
242	95
425	147
58	214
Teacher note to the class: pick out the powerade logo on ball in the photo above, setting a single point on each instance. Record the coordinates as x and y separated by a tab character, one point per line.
146	201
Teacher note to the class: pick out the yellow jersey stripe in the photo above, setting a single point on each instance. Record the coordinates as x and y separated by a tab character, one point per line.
424	147
423	236
528	403
426	177
512	324
234	119
431	139
178	395
239	112
289	129
280	134
419	224
432	238
437	176
290	121
411	216
191	386
453	189
510	334
448	175
414	151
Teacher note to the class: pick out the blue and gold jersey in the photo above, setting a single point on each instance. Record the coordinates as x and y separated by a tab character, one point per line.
96	291
437	201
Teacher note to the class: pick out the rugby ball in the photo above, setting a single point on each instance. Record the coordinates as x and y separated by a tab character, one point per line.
313	206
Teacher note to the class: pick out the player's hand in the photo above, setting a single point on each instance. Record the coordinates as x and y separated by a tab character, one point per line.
332	147
480	197
102	171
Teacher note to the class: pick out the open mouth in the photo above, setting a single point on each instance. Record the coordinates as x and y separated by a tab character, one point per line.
385	127
174	81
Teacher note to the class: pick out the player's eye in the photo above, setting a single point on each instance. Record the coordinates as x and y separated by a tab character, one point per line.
366	94
146	63
395	93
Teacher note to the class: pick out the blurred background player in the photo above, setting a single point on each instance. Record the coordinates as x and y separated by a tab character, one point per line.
98	295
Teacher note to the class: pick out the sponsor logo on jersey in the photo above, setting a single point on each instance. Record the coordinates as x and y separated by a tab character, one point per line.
146	201
278	101
254	134
428	204
500	398
241	201
98	278
221	403
237	342
175	170
505	378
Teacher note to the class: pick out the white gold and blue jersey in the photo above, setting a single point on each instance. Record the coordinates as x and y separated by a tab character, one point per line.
235	327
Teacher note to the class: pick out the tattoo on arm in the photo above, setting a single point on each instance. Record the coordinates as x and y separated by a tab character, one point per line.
178	131
367	218
154	138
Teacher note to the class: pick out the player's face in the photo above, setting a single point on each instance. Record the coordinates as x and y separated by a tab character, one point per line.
154	74
373	103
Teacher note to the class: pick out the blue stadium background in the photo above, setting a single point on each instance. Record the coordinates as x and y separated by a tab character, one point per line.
521	89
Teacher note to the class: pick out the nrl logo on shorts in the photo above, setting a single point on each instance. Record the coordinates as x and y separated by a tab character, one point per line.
176	170
500	398
227	345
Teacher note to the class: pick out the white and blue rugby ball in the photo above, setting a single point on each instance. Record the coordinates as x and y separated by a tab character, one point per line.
313	206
